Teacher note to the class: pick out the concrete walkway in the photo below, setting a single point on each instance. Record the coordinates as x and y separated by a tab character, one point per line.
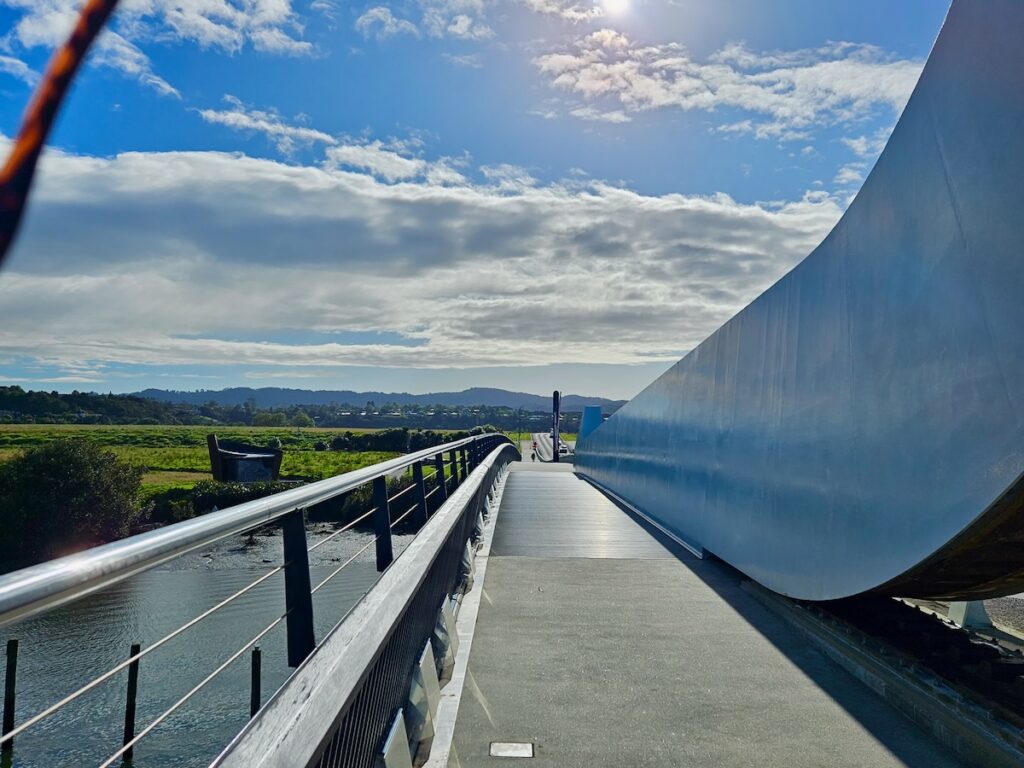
602	646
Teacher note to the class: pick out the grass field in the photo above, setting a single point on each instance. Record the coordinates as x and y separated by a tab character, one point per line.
145	436
177	457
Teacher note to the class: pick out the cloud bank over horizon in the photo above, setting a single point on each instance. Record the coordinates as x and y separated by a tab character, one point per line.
159	259
313	194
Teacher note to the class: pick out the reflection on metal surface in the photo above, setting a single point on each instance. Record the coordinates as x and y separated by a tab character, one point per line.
860	426
590	420
394	753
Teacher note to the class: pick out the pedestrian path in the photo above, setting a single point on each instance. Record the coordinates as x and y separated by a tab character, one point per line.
600	645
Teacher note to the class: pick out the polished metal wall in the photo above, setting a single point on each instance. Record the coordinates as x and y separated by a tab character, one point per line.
860	425
590	420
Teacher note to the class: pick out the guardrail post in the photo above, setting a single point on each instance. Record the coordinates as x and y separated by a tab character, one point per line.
298	599
255	680
441	482
129	704
453	456
9	687
382	523
463	452
421	495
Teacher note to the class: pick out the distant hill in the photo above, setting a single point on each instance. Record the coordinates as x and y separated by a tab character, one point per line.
276	397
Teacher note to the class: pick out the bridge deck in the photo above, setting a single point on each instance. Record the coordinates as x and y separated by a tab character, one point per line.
604	647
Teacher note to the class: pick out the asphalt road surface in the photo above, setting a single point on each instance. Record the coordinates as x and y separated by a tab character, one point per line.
545	449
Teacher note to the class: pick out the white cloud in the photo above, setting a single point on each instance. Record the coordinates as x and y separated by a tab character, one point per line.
273	40
268	25
860	145
464	27
566	9
869	146
785	95
268	122
459	19
497	273
471	60
612	116
380	23
326	8
377	160
115	51
19	69
463	19
393	161
852	173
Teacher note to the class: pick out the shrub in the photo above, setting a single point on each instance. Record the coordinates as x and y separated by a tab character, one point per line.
269	419
302	419
320	445
208	494
274	442
62	497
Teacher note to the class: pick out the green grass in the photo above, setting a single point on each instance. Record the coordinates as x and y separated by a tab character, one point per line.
176	458
145	436
173	479
567	436
304	464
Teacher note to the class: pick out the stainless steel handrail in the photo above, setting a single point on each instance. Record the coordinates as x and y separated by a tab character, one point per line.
40	587
300	718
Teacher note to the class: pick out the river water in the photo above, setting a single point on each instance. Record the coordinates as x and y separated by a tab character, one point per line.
66	648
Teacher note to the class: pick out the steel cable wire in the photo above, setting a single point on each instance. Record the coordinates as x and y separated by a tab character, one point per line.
209	678
365	547
195	689
149	649
348	527
205	614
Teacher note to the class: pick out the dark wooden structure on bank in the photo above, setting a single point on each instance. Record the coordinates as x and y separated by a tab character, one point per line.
240	463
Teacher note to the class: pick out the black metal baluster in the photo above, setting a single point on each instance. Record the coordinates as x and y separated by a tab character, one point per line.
298	599
129	704
421	495
382	523
439	465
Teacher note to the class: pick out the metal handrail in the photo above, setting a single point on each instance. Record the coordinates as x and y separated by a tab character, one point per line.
45	586
300	719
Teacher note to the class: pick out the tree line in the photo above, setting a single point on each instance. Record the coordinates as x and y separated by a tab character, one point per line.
19	406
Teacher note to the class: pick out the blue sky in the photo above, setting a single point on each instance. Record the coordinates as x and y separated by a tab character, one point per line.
432	194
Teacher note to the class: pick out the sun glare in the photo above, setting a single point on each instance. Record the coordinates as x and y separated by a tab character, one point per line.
615	7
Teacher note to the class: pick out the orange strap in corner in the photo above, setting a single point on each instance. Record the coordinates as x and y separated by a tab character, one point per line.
16	176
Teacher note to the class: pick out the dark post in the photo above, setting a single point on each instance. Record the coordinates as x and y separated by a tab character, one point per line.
12	674
129	704
254	686
465	464
555	418
216	466
439	466
421	494
298	600
382	523
454	457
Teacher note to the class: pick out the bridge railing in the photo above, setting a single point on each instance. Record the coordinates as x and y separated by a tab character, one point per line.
368	695
445	468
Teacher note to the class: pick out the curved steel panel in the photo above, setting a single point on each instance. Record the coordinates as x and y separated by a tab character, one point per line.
860	425
590	420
